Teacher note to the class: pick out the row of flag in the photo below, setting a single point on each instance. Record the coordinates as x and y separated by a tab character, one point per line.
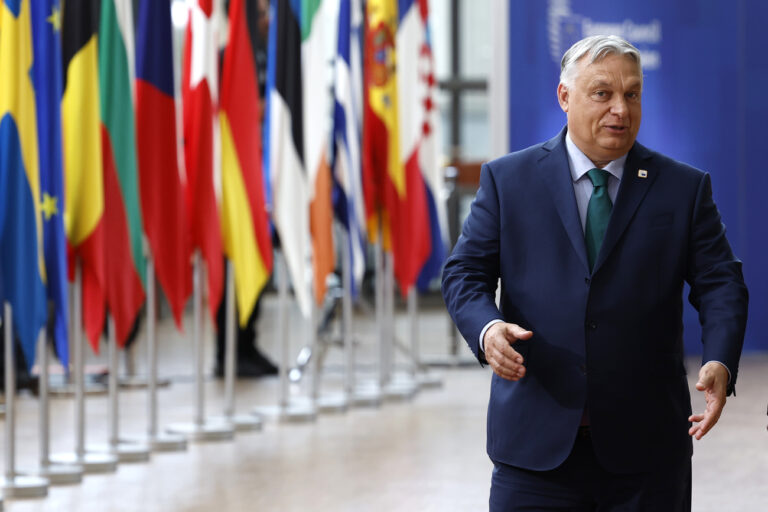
92	175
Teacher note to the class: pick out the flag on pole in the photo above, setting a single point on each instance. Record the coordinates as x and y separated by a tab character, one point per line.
84	184
290	188
125	265
162	202
244	215
47	78
22	265
347	132
419	124
395	187
199	87
317	52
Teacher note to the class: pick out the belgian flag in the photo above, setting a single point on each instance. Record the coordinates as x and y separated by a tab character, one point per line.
84	183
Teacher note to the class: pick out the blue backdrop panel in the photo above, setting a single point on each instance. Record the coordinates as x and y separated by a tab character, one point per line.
704	102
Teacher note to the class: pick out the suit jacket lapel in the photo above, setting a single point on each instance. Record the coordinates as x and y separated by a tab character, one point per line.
554	168
632	190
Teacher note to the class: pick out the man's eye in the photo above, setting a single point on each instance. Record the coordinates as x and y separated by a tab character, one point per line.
633	96
601	94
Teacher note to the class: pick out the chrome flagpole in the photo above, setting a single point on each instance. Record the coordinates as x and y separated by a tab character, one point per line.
240	422
346	314
282	331
422	377
380	308
57	474
413	323
293	412
14	485
200	429
91	462
125	452
365	392
286	411
333	401
398	387
157	441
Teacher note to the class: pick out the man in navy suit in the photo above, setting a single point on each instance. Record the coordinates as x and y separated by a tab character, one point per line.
592	237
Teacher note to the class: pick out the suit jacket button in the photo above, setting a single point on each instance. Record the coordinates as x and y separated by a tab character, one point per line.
586	280
591	326
583	369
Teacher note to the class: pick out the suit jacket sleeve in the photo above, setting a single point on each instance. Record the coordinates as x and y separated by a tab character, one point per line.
717	285
472	271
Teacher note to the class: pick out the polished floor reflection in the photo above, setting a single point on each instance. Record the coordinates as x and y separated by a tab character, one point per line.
421	455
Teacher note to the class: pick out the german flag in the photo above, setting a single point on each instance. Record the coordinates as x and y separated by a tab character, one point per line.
244	216
84	183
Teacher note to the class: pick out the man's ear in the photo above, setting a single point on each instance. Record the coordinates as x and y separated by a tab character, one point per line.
562	96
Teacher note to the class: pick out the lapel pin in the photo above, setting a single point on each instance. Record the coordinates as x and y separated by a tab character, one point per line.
642	173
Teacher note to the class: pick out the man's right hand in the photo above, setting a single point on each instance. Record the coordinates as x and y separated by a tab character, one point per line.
505	361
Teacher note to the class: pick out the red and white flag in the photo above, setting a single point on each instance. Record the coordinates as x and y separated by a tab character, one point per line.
200	97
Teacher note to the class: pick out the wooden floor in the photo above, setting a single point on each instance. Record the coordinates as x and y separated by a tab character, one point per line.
421	455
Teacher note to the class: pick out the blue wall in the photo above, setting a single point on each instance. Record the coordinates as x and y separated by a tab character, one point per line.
705	102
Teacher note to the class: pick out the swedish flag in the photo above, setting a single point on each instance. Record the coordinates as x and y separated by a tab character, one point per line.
22	268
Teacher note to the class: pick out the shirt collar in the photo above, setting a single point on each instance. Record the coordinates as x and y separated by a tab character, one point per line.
580	164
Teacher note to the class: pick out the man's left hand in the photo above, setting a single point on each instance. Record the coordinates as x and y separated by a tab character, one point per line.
713	380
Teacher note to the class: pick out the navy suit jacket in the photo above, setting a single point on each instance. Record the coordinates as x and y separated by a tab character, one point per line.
610	340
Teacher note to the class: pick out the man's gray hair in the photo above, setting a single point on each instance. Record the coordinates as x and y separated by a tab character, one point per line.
595	48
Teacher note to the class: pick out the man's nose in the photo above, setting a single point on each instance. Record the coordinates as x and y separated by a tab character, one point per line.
619	105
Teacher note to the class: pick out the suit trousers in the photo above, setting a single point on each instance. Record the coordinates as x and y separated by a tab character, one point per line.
581	484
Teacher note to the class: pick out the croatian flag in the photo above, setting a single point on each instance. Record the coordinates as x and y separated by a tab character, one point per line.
419	123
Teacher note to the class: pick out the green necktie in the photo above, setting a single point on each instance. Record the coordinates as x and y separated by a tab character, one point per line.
598	214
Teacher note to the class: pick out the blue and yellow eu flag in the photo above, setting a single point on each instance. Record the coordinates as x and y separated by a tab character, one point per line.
48	82
22	267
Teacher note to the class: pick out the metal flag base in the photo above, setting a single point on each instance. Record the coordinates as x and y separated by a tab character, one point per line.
67	390
206	431
164	442
400	389
449	361
241	422
140	382
91	462
126	451
61	474
366	395
25	487
333	403
429	381
293	413
132	452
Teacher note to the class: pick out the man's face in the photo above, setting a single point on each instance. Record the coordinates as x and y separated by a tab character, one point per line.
603	107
